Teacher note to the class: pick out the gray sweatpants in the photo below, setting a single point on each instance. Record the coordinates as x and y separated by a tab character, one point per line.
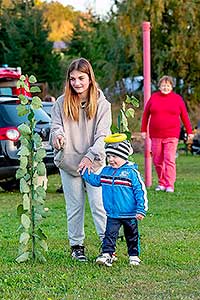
75	196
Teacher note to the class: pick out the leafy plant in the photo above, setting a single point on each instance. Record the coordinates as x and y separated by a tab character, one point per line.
126	112
32	241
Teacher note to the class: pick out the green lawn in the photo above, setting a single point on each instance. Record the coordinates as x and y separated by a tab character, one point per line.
170	249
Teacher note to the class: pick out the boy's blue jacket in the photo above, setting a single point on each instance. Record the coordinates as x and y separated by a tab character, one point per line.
124	192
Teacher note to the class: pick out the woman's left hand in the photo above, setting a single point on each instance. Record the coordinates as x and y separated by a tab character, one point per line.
85	163
190	136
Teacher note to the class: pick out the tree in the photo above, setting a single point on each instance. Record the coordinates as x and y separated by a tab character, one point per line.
24	42
175	27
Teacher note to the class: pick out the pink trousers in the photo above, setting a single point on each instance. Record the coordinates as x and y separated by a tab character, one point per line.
164	160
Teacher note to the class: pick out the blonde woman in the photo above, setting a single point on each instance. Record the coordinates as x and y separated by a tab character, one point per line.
81	118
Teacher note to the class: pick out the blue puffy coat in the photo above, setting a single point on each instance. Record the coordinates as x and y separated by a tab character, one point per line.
124	192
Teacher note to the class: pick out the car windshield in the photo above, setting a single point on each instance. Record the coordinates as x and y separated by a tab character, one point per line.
9	116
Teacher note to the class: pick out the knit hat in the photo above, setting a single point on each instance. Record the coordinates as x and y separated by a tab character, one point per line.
122	149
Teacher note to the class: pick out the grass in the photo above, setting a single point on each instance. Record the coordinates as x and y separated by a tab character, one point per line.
170	236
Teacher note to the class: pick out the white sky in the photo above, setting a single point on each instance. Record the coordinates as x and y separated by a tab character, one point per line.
100	7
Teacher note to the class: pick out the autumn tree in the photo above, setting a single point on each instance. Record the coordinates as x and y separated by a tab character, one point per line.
174	40
24	42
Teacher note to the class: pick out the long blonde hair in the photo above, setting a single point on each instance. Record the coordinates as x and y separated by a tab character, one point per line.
71	99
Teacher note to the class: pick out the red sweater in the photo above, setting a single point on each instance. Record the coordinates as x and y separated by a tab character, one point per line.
165	113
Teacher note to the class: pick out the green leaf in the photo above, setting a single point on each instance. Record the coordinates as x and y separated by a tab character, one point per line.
40	154
23	257
32	79
123	106
23	162
41	192
20	173
24	238
25	220
24	100
22	110
24	129
135	102
20	210
18	84
24	140
35	89
37	139
114	128
128	99
124	121
24	187
38	218
130	113
26	87
23	78
36	103
24	151
31	116
43	244
41	169
26	202
41	234
27	177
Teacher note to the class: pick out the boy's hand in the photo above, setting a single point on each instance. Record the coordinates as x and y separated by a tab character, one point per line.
85	163
139	217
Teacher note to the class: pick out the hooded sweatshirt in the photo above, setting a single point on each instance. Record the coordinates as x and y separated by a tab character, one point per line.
82	138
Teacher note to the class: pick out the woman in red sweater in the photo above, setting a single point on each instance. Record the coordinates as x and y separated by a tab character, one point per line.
164	111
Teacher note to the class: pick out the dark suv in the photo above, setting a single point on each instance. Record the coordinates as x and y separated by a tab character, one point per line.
9	140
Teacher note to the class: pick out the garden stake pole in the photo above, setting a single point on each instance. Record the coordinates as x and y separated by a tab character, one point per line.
147	93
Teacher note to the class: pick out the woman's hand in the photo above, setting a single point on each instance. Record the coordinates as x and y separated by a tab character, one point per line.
85	163
58	142
190	136
143	135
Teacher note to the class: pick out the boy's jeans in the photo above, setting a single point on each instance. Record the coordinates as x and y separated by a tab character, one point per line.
130	232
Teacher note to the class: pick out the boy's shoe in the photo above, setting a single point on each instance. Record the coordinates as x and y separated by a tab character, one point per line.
78	253
160	188
114	257
134	260
169	189
105	259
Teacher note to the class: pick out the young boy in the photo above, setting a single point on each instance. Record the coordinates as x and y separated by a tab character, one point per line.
124	198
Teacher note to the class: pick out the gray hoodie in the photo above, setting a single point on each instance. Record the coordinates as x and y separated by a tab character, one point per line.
82	138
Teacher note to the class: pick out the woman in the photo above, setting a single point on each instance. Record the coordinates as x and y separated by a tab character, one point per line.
164	110
81	118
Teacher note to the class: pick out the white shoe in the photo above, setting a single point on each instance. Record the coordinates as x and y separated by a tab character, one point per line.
169	189
104	259
134	260
114	257
160	188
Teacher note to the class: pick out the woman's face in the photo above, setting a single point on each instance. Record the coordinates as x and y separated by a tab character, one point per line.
79	81
165	87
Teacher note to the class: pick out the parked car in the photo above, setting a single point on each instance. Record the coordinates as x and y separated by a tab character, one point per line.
47	106
10	144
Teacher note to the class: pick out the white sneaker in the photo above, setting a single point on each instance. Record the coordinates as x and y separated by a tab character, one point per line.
114	257
104	259
169	189
134	260
160	188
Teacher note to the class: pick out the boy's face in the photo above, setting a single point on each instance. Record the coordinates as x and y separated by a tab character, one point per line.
115	161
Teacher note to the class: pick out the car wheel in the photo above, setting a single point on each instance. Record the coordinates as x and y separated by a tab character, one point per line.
10	185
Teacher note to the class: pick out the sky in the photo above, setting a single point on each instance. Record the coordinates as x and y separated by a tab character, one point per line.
100	7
